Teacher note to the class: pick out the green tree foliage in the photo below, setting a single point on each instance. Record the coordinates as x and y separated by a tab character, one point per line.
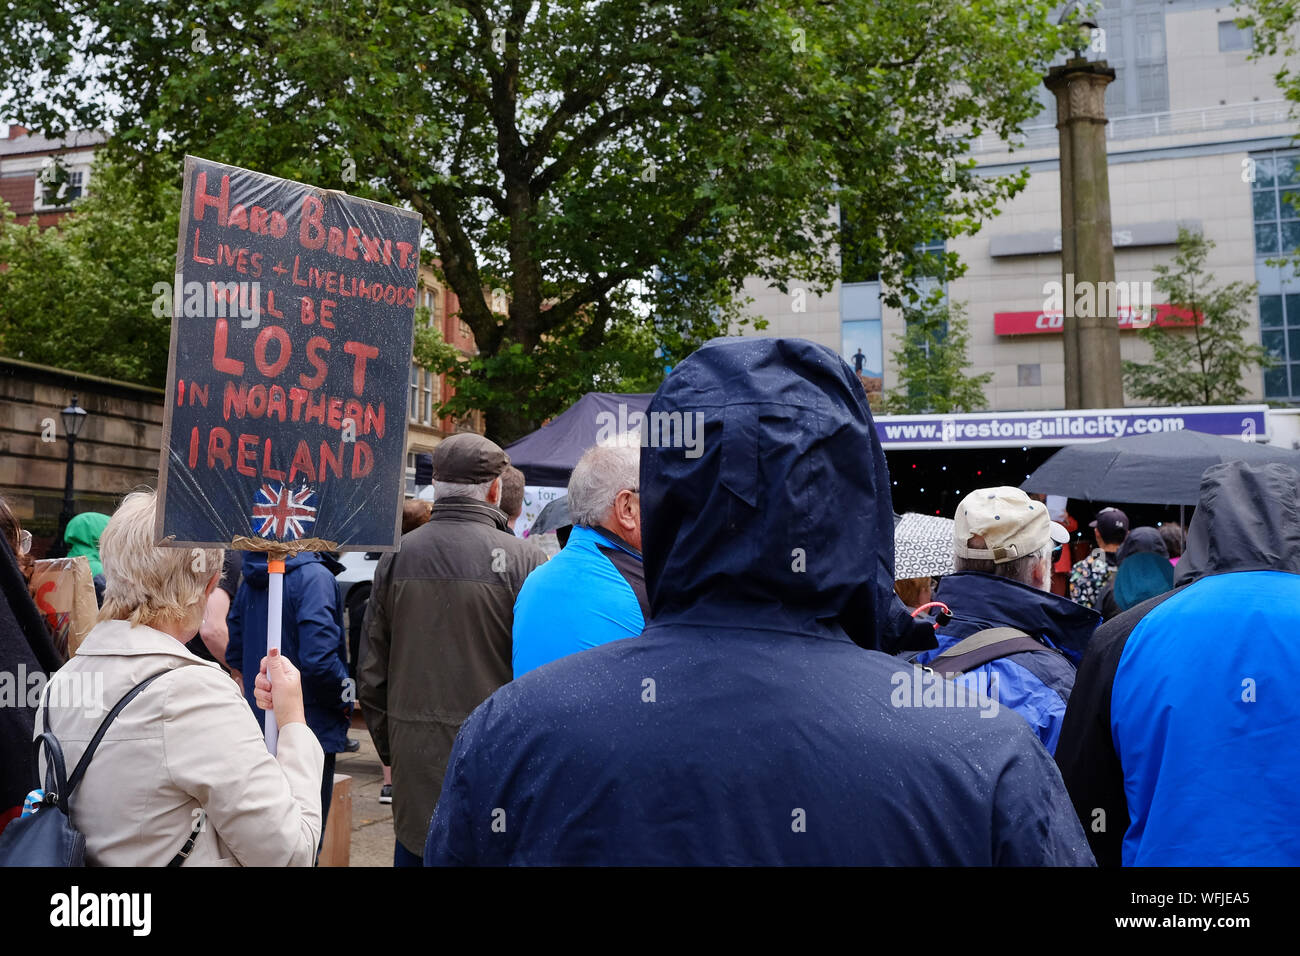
1201	364
80	295
932	363
1274	25
616	169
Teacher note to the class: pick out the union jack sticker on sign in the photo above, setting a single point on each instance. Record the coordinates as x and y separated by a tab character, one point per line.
282	513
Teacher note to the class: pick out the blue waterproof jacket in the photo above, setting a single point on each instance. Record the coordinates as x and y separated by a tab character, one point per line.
589	594
311	636
1181	731
1035	684
745	726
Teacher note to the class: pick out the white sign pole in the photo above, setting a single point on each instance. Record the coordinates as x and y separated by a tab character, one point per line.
274	610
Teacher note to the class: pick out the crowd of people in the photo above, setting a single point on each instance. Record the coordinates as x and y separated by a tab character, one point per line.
722	665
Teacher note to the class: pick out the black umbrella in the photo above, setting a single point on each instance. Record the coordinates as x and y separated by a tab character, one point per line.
1159	469
553	517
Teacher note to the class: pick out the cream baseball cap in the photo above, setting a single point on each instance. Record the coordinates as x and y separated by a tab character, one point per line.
1011	523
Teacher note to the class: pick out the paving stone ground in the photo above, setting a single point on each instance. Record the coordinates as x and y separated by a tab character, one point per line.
372	821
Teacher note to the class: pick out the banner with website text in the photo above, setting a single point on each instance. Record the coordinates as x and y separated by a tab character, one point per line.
1006	429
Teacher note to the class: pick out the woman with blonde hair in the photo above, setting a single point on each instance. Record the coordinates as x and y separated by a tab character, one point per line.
185	759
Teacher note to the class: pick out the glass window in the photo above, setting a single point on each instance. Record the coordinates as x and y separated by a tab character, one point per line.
1292	308
1135	48
1270	311
1264	174
1288	170
1291	236
1233	39
1288	203
1265	203
1293	341
1275	382
1153	88
1029	374
1275	341
1266	239
1295	378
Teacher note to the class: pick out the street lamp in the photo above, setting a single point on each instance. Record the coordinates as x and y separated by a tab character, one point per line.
74	417
1083	28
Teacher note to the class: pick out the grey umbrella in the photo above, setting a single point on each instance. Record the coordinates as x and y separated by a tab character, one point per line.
1159	469
553	517
922	546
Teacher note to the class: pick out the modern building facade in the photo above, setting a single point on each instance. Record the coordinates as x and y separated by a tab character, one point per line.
1198	135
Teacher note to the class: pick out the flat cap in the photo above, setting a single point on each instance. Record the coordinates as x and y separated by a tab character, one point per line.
468	459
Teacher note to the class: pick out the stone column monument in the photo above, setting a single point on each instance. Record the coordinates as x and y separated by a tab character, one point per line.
1093	376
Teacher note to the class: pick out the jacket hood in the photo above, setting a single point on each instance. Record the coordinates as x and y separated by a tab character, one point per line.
82	537
1248	519
991	601
257	576
1140	576
775	504
1142	540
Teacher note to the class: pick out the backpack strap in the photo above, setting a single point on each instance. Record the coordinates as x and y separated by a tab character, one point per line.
64	787
982	647
84	762
56	789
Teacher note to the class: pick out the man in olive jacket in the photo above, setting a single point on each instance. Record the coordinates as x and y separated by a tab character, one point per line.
438	629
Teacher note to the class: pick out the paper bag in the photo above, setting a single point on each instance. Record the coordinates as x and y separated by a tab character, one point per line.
65	594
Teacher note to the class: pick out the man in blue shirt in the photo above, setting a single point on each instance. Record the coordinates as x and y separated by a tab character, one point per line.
593	591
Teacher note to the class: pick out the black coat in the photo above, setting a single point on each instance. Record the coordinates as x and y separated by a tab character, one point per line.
27	659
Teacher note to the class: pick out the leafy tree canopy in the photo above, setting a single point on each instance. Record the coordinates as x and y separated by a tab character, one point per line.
932	363
1202	364
617	168
80	295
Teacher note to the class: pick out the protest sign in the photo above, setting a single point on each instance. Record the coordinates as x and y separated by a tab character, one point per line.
293	307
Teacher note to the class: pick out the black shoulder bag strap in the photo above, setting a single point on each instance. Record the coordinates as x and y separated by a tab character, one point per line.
84	762
982	647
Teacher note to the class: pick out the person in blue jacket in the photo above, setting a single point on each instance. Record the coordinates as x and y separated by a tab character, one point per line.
593	591
1179	744
753	721
1002	553
311	636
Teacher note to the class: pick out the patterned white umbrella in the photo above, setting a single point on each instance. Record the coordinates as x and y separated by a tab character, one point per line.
922	546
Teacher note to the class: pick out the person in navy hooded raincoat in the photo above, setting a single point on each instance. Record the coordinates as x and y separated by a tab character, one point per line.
311	637
745	725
